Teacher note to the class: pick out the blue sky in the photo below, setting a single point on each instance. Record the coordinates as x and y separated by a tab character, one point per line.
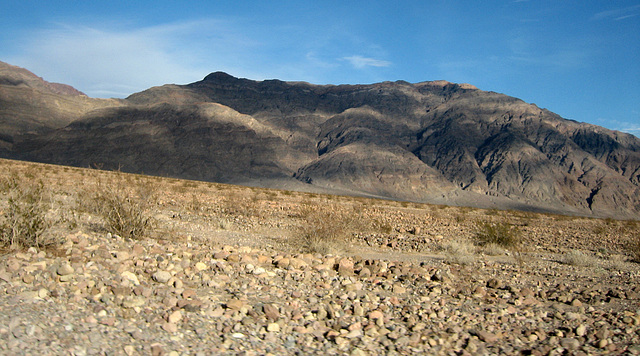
580	59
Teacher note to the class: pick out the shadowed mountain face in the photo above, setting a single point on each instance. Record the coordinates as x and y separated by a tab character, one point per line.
432	142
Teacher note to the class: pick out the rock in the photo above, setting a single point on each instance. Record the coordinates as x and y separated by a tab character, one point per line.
235	304
157	350
201	267
297	263
376	314
570	343
346	267
65	269
365	272
398	289
495	283
271	312
162	276
170	327
43	293
130	277
175	317
581	330
354	334
487	336
273	327
576	303
133	302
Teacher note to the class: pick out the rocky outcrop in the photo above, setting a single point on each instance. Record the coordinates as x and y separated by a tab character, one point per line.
430	142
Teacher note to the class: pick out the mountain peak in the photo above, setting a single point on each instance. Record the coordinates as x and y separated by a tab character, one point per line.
219	77
17	76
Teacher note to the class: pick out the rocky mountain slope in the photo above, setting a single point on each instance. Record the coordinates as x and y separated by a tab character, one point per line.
431	142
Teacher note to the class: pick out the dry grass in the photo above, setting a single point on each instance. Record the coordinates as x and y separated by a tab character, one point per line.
24	217
122	203
633	247
326	228
460	252
500	233
578	258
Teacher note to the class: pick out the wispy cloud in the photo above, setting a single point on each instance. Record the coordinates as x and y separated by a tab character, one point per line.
117	62
618	14
362	62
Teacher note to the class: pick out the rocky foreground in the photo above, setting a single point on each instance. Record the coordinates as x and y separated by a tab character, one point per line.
102	294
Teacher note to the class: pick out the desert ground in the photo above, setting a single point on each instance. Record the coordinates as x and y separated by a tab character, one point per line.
105	263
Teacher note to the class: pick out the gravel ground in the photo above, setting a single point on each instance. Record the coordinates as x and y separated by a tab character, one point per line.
222	273
102	294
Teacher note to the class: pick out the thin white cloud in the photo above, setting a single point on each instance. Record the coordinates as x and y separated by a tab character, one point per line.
116	62
618	14
632	127
360	62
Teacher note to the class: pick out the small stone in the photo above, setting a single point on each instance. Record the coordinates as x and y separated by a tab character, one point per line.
603	334
354	334
398	289
602	343
235	304
133	302
129	350
345	267
130	277
271	311
365	272
274	327
65	270
109	321
170	327
581	330
66	278
494	283
570	343
283	263
157	350
237	335
487	336
201	266
297	263
162	276
175	317
576	303
189	293
376	314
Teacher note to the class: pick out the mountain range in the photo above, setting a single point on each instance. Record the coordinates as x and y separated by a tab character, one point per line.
434	141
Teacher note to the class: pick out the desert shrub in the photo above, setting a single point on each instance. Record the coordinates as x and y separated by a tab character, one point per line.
502	234
578	258
461	252
326	228
24	221
492	249
633	246
123	205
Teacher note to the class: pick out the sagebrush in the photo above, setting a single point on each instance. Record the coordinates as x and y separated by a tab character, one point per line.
327	228
499	233
123	205
24	217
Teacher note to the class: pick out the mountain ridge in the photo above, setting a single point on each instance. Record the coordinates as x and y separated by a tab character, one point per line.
435	141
